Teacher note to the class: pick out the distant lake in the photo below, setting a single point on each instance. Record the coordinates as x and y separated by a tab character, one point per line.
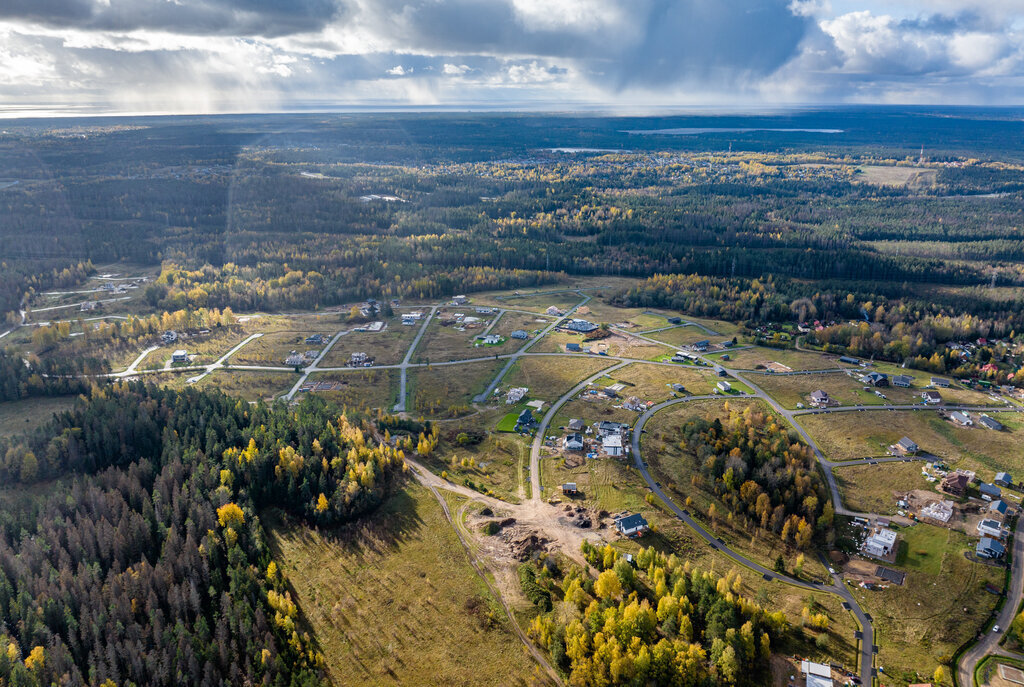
725	130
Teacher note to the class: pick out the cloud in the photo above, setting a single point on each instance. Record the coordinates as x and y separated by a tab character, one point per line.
194	17
608	52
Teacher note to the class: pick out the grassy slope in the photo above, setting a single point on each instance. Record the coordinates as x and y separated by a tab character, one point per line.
393	600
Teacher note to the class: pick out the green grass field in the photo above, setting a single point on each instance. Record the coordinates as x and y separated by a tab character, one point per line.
870	488
384	596
19	417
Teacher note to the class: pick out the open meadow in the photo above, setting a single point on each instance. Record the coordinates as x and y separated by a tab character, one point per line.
384	597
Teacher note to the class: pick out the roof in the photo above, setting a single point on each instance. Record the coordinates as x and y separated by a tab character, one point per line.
990	545
999	506
819	669
630	522
990	489
962	418
887	537
940	381
902	379
612	441
907	444
932	394
180	352
990	422
819	395
894	576
1003	477
526	415
990	524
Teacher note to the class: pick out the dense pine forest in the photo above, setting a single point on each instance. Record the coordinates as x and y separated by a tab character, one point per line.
134	554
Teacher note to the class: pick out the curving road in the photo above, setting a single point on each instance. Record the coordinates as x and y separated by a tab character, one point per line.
989	641
837	587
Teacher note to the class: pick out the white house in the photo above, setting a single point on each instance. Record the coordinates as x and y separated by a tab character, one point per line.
990	528
816	674
631	525
724	387
516	394
573	442
881	543
179	356
612	444
962	419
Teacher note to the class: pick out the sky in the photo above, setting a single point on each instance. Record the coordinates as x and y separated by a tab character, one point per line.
631	56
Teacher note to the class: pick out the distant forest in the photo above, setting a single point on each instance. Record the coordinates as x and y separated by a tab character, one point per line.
279	212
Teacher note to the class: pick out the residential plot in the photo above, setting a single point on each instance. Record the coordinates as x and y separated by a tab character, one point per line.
382	596
249	384
498	462
387	347
548	378
872	488
621	345
449	339
202	349
274	347
652	382
600	311
512	321
447	390
370	388
852	434
940	605
759	357
684	335
791	390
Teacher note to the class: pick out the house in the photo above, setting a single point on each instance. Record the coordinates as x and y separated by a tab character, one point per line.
459	300
960	418
631	525
519	334
612	444
675	320
903	381
989	491
726	344
482	310
1003	479
820	399
701	345
990	548
931	397
940	382
719	370
89	305
816	674
316	339
881	543
169	337
294	359
875	379
573	347
998	508
358	359
576	425
678	388
724	387
179	356
581	326
635	404
606	428
489	339
569	489
515	395
683	356
552	310
990	423
990	528
573	442
411	317
848	360
954	483
941	511
525	420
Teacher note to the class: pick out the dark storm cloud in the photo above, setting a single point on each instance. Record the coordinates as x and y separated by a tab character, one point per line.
194	17
663	41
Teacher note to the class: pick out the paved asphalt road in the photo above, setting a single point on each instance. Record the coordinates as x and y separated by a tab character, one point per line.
837	587
989	642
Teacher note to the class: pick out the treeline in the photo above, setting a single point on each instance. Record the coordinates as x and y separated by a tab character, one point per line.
764	476
147	563
663	622
24	379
